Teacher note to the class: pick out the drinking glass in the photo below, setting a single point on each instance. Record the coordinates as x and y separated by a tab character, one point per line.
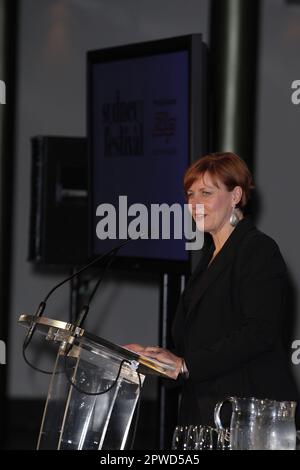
200	437
179	441
223	441
192	437
206	438
185	437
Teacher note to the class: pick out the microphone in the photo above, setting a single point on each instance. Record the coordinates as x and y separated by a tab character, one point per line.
84	311
32	327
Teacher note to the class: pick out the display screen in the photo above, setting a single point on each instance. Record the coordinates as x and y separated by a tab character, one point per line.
139	134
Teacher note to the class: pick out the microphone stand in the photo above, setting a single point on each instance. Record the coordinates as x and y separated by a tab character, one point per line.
85	309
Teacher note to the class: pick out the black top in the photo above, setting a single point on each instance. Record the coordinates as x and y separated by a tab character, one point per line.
228	325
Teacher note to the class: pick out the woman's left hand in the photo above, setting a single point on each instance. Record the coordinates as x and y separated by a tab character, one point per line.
166	357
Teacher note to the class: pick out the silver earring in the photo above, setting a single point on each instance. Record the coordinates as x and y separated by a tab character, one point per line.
234	218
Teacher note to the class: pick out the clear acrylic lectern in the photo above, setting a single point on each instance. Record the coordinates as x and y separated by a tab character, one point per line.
94	388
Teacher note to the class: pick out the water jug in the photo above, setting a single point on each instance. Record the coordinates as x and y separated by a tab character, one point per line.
260	424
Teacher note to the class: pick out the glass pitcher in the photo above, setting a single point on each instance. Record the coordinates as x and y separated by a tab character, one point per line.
260	424
244	422
277	425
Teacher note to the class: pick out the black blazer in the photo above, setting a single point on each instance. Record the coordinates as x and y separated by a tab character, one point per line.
228	325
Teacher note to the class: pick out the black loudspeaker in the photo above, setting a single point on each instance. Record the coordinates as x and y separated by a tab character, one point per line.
59	201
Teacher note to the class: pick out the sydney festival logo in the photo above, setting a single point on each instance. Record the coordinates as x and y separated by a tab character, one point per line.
2	92
123	127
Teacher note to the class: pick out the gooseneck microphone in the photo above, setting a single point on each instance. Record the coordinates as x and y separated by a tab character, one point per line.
85	309
32	327
82	315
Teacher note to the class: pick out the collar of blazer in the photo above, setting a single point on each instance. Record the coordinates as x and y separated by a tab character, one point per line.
222	259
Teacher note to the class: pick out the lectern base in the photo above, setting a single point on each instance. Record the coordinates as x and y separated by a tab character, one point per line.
85	419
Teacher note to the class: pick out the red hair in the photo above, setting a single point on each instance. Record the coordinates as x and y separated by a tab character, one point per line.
226	167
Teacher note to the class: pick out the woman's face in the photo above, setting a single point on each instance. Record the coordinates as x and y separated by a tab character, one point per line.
217	203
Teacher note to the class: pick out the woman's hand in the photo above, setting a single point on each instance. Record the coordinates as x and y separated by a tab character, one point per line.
165	356
161	355
137	348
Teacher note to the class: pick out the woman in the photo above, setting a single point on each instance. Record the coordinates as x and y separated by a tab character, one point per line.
228	326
